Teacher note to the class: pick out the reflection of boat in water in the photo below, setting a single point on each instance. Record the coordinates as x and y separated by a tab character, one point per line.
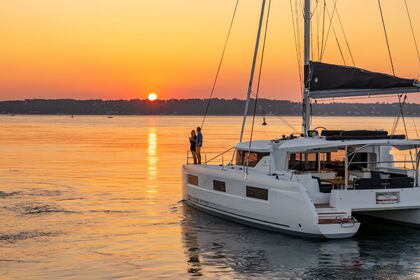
212	244
216	247
313	184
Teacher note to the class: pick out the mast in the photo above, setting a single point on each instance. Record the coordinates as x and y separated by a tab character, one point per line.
254	61
306	112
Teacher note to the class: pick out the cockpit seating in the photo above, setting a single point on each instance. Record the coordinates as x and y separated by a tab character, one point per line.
324	187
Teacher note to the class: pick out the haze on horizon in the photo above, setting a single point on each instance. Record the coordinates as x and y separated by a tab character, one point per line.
126	49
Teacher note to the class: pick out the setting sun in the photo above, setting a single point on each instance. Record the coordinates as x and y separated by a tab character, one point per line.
152	96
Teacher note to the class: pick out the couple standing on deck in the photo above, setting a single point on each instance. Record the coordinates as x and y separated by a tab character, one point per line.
196	142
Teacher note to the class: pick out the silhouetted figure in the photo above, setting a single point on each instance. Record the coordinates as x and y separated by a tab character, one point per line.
193	141
198	145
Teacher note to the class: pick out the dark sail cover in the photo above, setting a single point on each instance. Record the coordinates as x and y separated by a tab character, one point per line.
324	77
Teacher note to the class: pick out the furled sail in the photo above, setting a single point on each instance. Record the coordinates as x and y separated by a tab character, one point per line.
328	80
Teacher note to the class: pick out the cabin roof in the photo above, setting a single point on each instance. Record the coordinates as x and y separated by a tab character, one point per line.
303	144
313	143
256	146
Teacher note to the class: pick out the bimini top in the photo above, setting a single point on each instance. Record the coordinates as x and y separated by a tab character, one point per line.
315	143
304	144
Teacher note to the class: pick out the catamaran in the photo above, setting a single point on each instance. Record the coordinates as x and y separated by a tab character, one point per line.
316	183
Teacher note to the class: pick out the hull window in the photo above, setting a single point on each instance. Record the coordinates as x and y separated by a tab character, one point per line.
219	186
193	180
257	193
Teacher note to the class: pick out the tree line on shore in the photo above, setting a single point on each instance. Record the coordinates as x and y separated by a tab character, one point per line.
198	107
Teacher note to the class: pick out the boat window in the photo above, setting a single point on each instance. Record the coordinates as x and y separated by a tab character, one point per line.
254	158
359	161
338	155
193	180
334	161
219	186
303	161
257	193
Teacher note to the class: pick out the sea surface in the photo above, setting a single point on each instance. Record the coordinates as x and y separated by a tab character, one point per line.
95	197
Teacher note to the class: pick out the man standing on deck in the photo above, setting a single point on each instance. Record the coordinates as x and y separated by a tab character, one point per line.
198	144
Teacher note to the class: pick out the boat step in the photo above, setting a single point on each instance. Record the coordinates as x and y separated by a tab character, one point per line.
331	213
338	220
323	205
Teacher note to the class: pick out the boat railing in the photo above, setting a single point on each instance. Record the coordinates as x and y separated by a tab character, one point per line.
215	158
417	168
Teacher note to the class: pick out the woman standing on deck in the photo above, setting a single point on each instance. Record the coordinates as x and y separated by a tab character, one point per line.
193	141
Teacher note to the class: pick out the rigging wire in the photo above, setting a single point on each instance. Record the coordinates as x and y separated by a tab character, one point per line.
323	30
317	32
297	45
312	55
337	41
220	63
405	126
386	37
331	17
401	112
415	126
259	82
300	47
412	31
288	124
312	32
313	12
417	51
345	37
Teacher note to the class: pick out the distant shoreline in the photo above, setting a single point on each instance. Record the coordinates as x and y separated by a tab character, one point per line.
197	107
121	115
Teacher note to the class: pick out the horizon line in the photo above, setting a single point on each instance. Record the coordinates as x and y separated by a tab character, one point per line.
190	99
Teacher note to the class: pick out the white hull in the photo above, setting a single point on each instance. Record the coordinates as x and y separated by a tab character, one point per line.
405	217
291	206
305	187
288	209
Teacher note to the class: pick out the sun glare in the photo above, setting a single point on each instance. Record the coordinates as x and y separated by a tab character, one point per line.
152	96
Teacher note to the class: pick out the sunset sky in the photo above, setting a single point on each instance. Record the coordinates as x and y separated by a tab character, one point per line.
126	49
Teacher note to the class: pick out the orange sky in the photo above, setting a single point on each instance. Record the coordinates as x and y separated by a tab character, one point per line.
125	49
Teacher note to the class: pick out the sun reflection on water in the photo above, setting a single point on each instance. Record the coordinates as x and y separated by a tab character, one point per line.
151	153
152	160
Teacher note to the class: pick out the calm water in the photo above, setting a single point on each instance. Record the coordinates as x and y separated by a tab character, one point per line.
95	197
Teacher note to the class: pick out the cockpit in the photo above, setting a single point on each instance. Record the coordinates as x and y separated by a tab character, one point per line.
372	163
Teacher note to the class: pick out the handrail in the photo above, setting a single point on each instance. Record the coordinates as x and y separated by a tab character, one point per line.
207	161
417	168
353	153
392	161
